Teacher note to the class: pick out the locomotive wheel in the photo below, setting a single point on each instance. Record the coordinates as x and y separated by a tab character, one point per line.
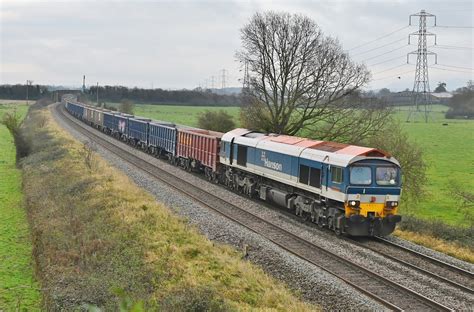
305	216
320	222
330	223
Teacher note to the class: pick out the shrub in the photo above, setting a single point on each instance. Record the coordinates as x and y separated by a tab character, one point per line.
216	120
461	105
127	107
12	121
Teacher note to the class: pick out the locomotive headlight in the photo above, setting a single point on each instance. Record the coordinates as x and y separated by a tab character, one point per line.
354	203
391	204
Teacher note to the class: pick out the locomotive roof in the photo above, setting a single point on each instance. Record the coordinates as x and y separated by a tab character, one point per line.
323	151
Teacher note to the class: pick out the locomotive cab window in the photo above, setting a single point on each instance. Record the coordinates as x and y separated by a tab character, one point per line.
336	174
242	155
315	177
361	175
386	176
304	174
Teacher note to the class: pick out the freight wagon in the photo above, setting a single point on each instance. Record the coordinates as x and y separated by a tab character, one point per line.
89	114
98	118
75	109
162	139
138	132
199	150
116	124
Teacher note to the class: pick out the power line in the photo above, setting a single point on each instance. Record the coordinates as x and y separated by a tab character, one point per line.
456	66
395	76
442	46
445	26
389	69
379	38
402	39
392	59
452	70
373	57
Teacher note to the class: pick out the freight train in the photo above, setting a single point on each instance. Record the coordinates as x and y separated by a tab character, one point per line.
349	189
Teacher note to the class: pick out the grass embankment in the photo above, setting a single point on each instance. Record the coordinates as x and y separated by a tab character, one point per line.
18	288
96	232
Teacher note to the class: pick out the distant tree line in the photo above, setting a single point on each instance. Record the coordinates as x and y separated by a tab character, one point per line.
195	97
18	92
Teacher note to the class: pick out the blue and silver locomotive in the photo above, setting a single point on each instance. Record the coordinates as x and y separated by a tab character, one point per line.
349	189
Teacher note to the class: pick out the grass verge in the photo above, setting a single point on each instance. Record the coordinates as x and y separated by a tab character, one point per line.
97	237
452	240
18	288
450	248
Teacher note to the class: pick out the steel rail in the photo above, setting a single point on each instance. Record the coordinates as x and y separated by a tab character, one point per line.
449	266
415	267
362	279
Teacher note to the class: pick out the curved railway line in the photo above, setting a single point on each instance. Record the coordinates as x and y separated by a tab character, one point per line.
392	295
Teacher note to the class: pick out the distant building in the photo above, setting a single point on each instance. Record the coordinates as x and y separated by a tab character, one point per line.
441	97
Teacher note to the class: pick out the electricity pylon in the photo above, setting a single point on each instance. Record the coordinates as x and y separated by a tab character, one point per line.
421	86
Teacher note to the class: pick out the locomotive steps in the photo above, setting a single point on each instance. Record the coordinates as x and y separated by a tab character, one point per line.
276	234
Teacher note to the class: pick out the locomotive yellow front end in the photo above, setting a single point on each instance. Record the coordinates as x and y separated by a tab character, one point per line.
373	198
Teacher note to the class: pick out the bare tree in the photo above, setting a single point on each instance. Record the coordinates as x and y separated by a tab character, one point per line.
297	76
353	119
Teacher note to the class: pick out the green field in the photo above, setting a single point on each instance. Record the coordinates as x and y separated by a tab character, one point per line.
18	288
448	149
185	115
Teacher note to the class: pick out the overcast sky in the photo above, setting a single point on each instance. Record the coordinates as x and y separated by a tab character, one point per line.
182	44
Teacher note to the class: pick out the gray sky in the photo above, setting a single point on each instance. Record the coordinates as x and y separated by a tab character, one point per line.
181	44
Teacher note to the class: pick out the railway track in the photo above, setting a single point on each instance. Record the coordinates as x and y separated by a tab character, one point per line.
390	294
440	270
